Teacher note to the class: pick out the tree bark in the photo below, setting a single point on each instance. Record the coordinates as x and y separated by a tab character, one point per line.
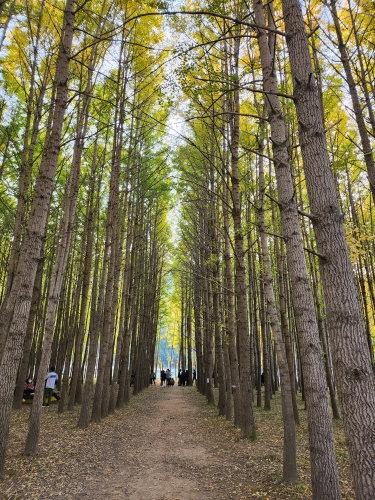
357	108
323	462
230	323
18	304
246	416
290	448
351	360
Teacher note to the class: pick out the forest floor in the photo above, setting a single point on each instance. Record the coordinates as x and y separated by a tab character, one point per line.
166	444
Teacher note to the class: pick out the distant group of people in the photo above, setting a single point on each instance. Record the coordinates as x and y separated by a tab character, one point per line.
166	378
49	387
183	377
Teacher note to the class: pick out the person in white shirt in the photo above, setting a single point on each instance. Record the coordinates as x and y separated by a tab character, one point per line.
51	380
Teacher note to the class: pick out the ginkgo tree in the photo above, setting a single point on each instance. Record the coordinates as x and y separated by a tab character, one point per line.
268	160
74	54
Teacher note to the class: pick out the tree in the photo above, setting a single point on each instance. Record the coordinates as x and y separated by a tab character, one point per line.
352	364
19	301
323	463
290	448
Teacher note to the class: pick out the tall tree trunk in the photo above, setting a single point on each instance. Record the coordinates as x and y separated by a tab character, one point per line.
27	347
127	308
323	462
65	239
221	374
189	334
110	300
84	416
207	336
198	334
88	240
27	157
19	301
266	361
290	447
351	360
357	108
284	326
230	324
246	416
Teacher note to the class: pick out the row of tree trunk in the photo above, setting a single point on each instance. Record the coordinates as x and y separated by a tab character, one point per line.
237	306
84	273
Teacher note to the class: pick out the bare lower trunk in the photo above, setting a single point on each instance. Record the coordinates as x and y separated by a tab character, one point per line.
207	342
125	321
24	365
84	416
230	318
246	417
290	448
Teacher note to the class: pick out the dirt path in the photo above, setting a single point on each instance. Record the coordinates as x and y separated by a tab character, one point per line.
166	444
154	449
160	455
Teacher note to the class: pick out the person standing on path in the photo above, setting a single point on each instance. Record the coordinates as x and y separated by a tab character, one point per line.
51	380
168	377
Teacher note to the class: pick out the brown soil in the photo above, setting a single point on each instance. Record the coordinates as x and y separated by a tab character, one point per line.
167	444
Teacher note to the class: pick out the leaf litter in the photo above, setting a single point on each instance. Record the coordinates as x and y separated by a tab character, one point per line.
166	444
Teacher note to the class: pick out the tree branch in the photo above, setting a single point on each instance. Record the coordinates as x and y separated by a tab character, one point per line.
206	13
306	214
323	257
